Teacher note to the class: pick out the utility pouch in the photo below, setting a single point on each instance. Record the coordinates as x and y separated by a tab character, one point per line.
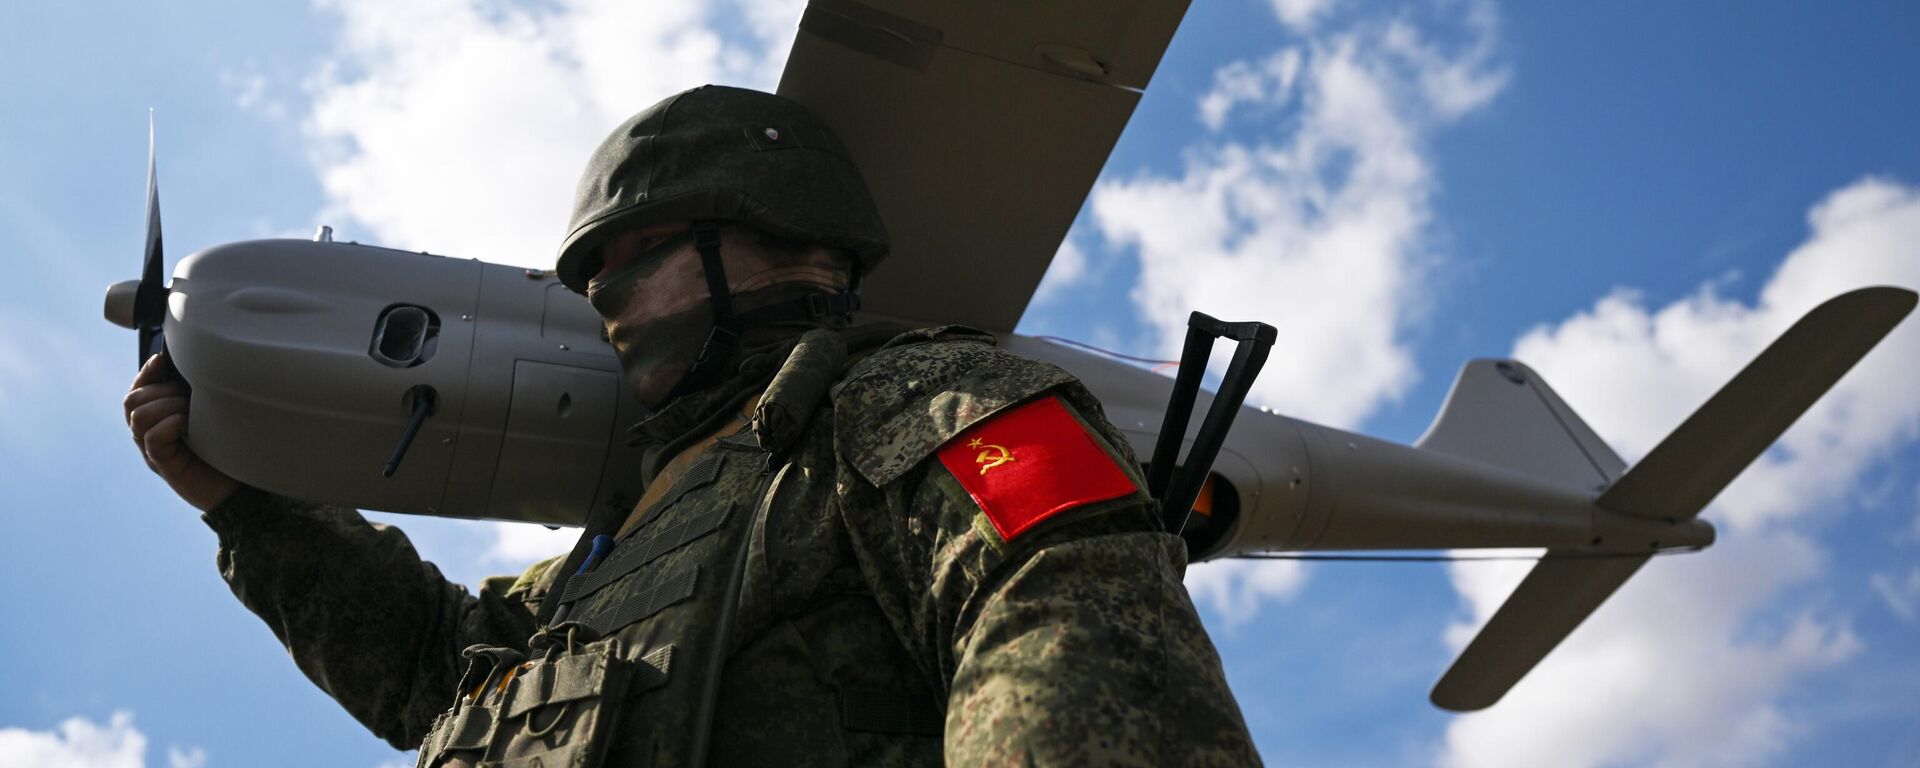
560	711
461	735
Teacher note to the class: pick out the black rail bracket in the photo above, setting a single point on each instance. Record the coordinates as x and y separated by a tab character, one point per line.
1176	491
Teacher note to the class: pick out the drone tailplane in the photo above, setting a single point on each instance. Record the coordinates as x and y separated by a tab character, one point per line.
1673	483
1503	414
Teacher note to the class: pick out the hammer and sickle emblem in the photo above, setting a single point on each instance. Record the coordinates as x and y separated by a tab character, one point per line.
990	455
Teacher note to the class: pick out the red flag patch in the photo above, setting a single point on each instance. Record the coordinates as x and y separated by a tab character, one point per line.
1030	463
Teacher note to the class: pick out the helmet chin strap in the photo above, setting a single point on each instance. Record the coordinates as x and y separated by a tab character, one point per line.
720	355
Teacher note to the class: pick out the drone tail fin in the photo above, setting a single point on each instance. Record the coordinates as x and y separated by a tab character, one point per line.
1674	482
1502	414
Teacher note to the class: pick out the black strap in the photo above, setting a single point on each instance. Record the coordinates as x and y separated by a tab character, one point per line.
729	606
706	240
810	307
722	348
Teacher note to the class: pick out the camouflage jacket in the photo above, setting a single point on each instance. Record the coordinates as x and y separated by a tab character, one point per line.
880	617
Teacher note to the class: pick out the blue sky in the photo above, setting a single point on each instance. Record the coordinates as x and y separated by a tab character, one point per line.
1633	199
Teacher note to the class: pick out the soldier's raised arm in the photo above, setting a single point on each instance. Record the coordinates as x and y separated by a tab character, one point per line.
363	616
1009	539
368	621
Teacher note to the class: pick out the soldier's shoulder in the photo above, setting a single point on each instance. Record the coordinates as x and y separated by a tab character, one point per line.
531	585
902	402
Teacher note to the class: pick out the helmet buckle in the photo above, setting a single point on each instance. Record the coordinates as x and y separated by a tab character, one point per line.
818	305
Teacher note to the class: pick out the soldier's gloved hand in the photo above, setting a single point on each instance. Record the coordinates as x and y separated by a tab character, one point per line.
157	414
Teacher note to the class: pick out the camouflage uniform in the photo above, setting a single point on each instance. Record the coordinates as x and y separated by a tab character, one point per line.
878	618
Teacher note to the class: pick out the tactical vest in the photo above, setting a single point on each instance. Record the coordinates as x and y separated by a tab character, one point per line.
733	596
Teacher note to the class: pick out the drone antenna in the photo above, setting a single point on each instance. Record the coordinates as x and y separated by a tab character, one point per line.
422	408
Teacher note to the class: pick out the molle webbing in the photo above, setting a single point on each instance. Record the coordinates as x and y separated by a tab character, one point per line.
641	550
577	677
665	592
471	727
700	475
565	679
602	520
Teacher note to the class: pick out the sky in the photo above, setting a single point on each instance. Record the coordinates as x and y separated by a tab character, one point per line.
1632	198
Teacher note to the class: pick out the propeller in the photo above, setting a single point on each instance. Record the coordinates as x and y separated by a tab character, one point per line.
141	305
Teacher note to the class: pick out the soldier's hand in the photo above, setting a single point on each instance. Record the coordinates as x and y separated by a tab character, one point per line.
157	415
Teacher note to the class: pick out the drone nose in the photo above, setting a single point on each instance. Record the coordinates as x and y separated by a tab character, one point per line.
120	303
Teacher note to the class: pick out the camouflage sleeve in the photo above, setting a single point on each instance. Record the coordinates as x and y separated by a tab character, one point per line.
1074	643
368	621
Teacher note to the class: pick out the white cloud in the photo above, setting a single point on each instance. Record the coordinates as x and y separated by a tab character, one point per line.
252	92
191	757
1300	14
1454	82
460	126
1317	224
1901	597
1689	662
76	743
523	544
1236	588
1269	84
1068	268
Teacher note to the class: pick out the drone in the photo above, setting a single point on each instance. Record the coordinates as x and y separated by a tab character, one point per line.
416	383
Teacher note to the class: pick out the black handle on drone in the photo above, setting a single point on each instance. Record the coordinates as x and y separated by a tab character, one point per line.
1176	491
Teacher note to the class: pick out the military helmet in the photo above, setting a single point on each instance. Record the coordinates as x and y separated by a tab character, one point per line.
718	153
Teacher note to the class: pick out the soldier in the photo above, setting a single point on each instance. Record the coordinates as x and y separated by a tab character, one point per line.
858	545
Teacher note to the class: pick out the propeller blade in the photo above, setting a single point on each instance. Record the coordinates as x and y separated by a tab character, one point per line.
150	298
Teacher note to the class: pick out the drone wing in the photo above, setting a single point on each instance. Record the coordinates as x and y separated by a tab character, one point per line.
980	128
